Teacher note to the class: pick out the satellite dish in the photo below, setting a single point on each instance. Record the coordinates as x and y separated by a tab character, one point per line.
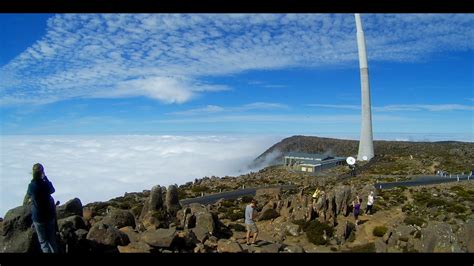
350	160
364	158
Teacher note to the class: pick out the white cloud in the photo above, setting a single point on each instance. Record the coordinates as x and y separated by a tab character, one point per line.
403	107
212	109
291	118
102	167
121	55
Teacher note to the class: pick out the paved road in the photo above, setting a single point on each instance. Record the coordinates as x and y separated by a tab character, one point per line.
209	199
421	181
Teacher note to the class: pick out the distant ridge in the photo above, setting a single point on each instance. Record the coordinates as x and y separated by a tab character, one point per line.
441	151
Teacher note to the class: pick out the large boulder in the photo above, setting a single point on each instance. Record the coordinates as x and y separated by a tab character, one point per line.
67	230
120	218
107	236
172	200
343	199
468	235
75	222
17	232
268	193
133	235
154	202
439	237
135	247
228	246
293	229
206	221
268	214
161	238
70	208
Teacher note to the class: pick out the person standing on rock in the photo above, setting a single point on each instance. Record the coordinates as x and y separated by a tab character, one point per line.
356	210
250	215
43	209
370	203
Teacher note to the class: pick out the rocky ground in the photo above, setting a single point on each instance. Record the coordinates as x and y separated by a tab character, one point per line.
434	218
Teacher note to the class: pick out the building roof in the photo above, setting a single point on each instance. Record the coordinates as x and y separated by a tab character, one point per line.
312	158
308	156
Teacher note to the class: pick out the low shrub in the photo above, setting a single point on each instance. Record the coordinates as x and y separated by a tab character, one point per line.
413	220
227	203
199	189
315	232
456	208
237	227
234	216
435	202
379	231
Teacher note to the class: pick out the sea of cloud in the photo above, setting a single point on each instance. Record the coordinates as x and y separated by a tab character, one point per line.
98	168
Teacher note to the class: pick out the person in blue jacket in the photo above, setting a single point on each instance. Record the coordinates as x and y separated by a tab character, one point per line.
43	209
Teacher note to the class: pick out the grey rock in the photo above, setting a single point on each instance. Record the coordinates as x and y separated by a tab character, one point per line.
153	203
271	248
293	249
135	247
81	234
293	229
268	214
17	232
70	208
75	222
107	235
172	201
162	238
439	237
228	246
119	218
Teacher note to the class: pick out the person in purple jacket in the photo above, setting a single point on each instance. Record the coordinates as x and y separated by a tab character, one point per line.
356	210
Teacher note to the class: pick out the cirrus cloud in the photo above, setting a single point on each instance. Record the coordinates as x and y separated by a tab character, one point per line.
166	56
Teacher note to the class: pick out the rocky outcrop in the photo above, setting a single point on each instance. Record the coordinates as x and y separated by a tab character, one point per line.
228	246
107	236
160	238
343	199
119	218
439	237
468	235
172	200
70	208
135	247
17	232
154	202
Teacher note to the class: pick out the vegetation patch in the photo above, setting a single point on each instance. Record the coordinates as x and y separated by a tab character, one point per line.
315	232
379	231
367	248
414	220
237	227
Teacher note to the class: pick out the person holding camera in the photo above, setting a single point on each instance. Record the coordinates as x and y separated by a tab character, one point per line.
43	209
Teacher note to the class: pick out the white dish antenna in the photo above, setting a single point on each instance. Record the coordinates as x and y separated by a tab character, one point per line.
350	160
364	158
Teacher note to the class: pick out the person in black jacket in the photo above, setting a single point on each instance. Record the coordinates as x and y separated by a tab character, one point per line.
43	209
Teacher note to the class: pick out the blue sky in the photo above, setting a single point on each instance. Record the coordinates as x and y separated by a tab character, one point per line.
222	74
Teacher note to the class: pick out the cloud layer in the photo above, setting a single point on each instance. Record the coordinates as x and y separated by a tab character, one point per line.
103	167
167	57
